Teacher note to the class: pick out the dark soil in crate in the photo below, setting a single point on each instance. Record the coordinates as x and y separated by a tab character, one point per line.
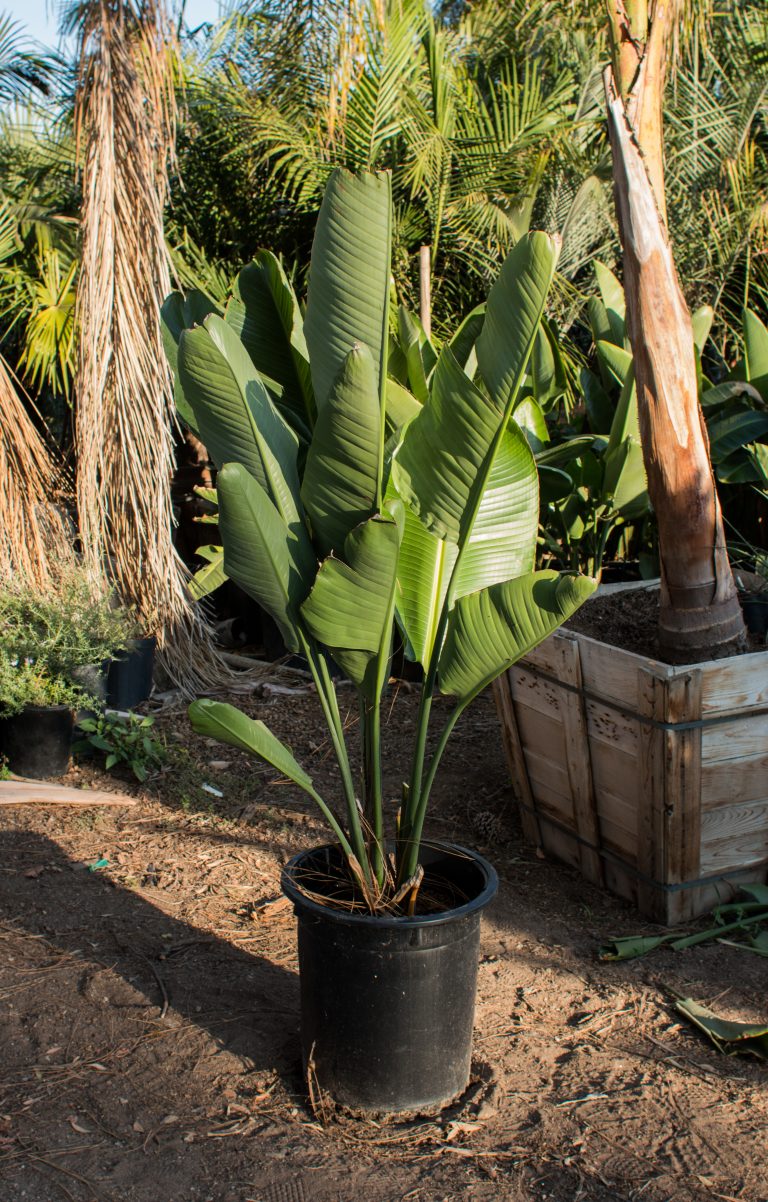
630	620
149	1046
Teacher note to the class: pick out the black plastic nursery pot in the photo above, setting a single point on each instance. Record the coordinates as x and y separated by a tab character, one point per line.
37	741
388	1003
129	677
755	610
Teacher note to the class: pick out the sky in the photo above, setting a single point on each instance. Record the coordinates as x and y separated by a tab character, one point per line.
39	19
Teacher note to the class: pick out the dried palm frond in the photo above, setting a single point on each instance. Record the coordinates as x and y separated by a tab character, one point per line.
34	537
125	120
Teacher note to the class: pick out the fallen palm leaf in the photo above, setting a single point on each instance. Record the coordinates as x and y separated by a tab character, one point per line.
730	918
748	1039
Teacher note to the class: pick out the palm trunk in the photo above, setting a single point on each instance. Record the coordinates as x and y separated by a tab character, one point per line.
700	615
425	289
35	541
124	417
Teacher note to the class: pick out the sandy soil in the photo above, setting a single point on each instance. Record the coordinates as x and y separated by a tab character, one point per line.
149	1045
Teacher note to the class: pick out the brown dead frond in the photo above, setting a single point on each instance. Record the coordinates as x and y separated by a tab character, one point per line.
125	119
34	538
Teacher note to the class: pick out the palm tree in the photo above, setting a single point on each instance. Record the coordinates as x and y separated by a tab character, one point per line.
386	85
22	68
125	120
700	615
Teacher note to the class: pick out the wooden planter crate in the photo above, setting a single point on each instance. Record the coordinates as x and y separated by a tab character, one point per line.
651	779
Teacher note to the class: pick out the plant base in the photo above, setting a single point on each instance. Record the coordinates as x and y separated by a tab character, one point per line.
387	1003
36	742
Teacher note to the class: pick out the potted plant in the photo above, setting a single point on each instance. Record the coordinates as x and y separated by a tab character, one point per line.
130	671
37	714
337	522
54	644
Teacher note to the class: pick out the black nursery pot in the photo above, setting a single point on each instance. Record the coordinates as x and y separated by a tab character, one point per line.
387	1003
36	742
129	678
755	610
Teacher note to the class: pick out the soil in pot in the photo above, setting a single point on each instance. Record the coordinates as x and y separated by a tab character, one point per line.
36	742
387	1002
129	677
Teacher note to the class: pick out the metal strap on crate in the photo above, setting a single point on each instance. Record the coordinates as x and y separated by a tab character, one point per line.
611	856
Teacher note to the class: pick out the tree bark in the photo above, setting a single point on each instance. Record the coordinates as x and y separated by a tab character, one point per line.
425	289
700	615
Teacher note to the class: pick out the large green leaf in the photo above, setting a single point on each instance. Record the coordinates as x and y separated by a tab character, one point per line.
616	359
410	342
599	406
501	542
463	341
424	568
727	1036
613	298
756	352
210	577
218	720
401	406
730	431
348	294
351	605
489	631
444	449
533	423
731	390
513	312
179	313
237	421
260	553
598	320
265	314
701	322
625	478
626	420
341	478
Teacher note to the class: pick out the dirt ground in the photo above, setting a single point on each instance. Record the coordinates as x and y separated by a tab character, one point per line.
149	1045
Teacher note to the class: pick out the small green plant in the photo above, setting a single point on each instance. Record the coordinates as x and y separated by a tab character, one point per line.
75	624
124	739
23	682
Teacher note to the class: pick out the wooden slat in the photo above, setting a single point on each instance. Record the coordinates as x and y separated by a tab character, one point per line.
683	779
734	837
739	683
615	772
606	723
670	822
611	672
730	782
535	692
541	734
513	748
548	771
746	736
578	762
559	844
652	696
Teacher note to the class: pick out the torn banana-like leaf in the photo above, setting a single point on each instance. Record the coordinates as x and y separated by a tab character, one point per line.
748	1039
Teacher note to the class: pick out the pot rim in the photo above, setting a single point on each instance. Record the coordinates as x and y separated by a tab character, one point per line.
39	709
301	902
